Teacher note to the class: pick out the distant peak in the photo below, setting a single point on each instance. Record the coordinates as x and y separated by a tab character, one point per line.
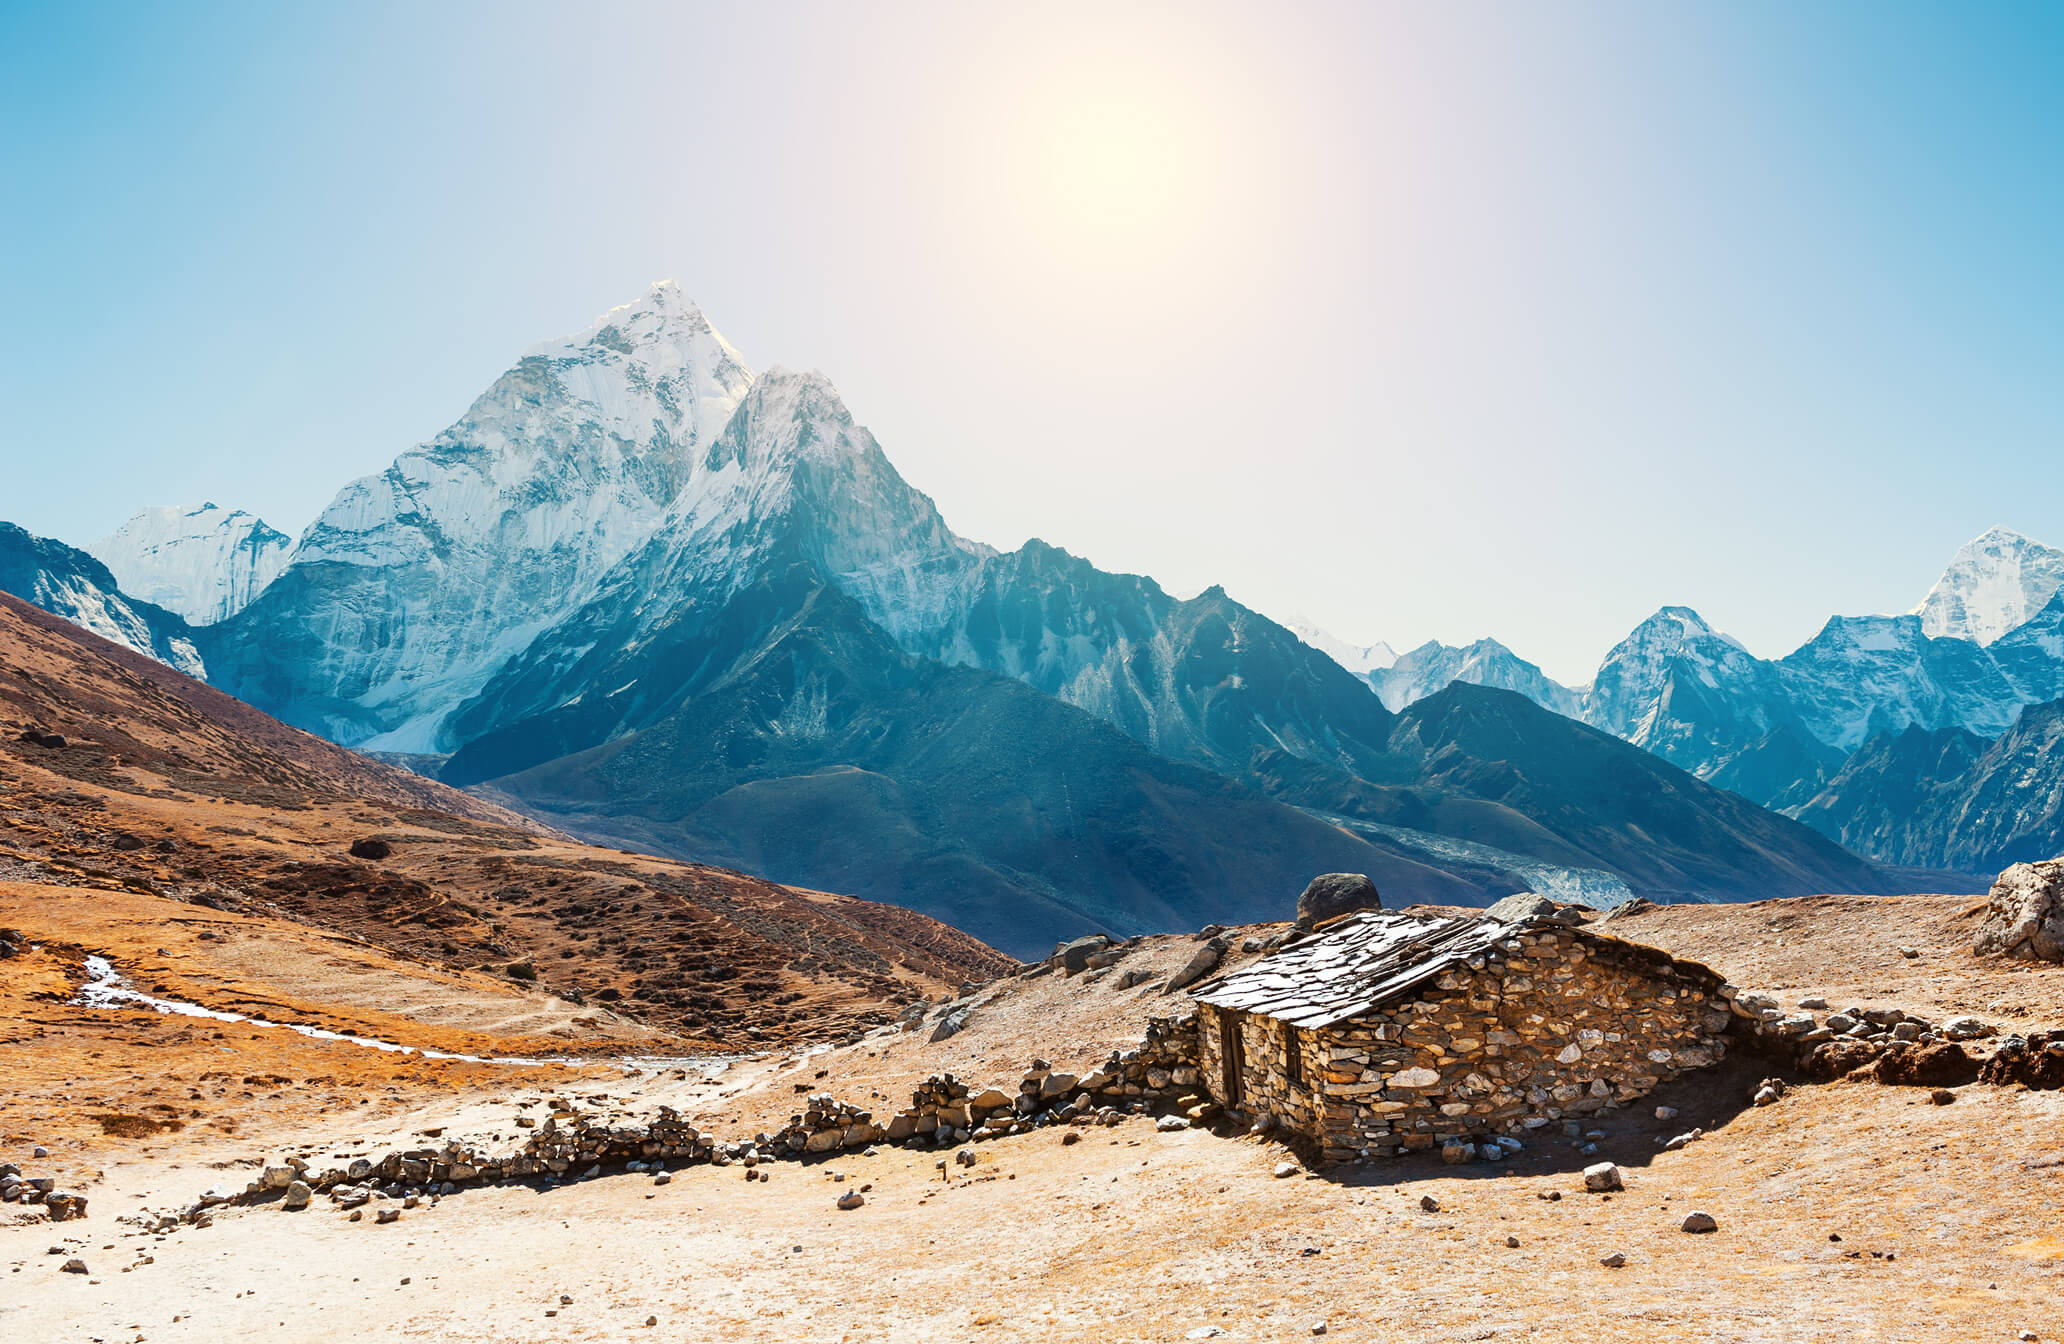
1995	582
661	325
808	391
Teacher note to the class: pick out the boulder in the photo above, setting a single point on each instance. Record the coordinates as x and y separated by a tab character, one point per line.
950	1024
2025	920
1603	1176
1331	895
370	848
1202	964
1075	956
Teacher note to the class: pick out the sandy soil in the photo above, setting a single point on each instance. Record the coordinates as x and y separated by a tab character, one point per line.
1850	950
1946	1215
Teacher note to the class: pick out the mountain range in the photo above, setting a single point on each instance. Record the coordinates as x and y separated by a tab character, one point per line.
663	601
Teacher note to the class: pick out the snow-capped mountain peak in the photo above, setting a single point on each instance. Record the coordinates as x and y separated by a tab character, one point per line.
1360	659
1433	666
205	564
419	581
1995	583
1677	630
643	362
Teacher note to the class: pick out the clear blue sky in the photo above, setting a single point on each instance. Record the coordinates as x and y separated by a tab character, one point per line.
1429	320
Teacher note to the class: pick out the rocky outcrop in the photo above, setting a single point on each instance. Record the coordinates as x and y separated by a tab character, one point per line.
2026	918
1332	895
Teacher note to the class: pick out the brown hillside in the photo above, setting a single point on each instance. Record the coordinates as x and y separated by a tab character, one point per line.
167	788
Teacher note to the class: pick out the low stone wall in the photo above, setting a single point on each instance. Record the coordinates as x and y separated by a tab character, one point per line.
1157	1078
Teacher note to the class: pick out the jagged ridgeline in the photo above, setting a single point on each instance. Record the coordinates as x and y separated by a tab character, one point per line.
667	602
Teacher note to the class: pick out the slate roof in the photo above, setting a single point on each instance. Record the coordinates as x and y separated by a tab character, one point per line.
1366	960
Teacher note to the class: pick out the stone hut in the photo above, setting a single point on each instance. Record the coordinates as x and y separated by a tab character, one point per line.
1388	1031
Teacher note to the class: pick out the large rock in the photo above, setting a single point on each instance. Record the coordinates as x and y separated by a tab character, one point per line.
1332	895
1075	956
1203	963
2026	918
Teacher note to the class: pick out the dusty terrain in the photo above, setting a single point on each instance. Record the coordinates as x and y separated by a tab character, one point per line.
1847	1211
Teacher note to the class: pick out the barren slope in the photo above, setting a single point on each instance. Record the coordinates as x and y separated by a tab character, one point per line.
165	787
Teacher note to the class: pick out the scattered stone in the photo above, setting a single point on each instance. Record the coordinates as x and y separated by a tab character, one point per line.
1966	1029
1701	1222
1942	1096
1286	1169
1512	1243
1603	1176
1429	1204
384	1216
1168	1124
1666	1112
1617	1260
74	1266
852	1199
1814	1003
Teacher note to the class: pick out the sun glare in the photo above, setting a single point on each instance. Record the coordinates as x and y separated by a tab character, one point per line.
1115	167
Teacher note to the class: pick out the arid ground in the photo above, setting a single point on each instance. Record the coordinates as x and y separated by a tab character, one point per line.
1846	1211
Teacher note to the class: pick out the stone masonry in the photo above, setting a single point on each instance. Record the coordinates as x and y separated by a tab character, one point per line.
1531	1023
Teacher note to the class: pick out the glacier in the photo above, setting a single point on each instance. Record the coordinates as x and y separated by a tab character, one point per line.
205	563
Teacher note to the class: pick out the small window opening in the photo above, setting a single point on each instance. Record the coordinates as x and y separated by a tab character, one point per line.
1295	1055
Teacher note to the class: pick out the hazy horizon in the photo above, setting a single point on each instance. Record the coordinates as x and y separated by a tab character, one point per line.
1420	324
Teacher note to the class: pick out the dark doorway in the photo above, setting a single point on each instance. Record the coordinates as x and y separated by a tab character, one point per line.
1234	1054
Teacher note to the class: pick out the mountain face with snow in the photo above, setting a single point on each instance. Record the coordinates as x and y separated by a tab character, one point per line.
205	564
1685	691
1433	666
1994	583
1360	659
663	601
70	583
1950	799
733	675
417	584
1987	641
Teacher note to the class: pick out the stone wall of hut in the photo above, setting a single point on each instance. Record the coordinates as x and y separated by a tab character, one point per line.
1554	1024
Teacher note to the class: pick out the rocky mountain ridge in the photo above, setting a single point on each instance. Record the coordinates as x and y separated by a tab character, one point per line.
668	603
1987	640
205	564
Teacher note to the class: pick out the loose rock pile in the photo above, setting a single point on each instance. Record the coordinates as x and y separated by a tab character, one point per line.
2035	1061
16	1188
1884	1043
1160	1075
